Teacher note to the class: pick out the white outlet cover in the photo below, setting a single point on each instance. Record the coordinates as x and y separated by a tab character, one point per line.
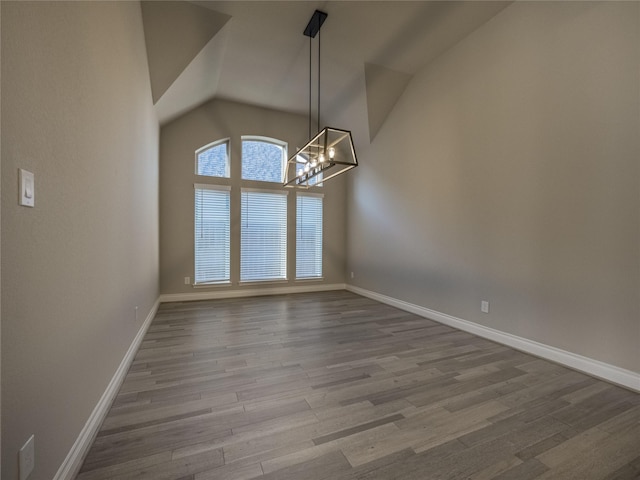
484	306
27	458
27	190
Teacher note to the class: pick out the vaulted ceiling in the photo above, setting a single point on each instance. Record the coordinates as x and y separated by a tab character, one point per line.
255	53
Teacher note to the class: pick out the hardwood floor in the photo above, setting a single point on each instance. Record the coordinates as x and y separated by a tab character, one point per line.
336	386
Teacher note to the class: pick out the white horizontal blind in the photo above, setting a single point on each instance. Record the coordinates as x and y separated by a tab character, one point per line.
263	236
309	236
212	234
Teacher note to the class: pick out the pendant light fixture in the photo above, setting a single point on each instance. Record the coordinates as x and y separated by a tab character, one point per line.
330	152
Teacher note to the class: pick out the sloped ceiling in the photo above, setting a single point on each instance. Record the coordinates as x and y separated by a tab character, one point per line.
197	83
384	86
257	54
175	32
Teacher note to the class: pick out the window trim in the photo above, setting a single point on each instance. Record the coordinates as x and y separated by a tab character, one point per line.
209	146
264	190
211	186
317	179
309	194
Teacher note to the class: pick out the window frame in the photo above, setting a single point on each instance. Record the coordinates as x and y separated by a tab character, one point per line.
317	180
285	246
209	146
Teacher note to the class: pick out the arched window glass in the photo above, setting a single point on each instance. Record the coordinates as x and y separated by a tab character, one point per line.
263	159
213	160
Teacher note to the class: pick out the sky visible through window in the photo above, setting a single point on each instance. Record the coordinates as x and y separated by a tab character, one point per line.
262	161
213	162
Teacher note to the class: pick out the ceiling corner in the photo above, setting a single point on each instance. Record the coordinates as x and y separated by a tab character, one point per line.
384	87
175	32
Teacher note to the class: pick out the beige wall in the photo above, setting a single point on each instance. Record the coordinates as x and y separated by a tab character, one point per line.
77	112
213	121
508	171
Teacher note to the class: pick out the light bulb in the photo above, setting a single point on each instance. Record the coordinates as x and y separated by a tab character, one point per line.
314	162
321	158
332	152
300	172
306	167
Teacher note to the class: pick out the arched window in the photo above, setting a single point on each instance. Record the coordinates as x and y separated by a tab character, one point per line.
264	216
213	160
263	159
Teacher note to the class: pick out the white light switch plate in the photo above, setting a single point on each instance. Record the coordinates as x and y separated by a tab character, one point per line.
27	187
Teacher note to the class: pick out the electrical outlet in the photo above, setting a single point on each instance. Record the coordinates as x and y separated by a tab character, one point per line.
136	310
187	280
27	458
484	306
352	275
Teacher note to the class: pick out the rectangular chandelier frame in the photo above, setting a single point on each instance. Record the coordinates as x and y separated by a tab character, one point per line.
330	153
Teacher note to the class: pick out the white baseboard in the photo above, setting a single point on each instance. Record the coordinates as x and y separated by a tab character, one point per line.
69	468
596	368
249	292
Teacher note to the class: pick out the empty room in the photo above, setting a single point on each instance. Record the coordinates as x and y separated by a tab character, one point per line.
320	240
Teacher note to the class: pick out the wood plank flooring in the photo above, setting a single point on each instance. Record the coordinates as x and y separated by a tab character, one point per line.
336	386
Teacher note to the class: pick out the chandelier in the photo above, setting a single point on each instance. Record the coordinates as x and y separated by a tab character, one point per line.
330	152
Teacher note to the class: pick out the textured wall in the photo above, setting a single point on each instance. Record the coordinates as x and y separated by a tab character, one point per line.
213	121
77	112
508	171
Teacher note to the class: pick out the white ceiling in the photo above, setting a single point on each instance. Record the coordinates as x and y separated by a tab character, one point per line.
265	56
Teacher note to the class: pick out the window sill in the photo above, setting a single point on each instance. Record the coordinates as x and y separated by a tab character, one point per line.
211	285
310	279
263	282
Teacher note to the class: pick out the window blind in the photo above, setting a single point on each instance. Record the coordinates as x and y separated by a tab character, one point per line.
212	234
263	235
308	236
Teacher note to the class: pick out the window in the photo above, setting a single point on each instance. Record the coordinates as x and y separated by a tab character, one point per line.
213	159
301	161
263	159
212	234
263	235
309	236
